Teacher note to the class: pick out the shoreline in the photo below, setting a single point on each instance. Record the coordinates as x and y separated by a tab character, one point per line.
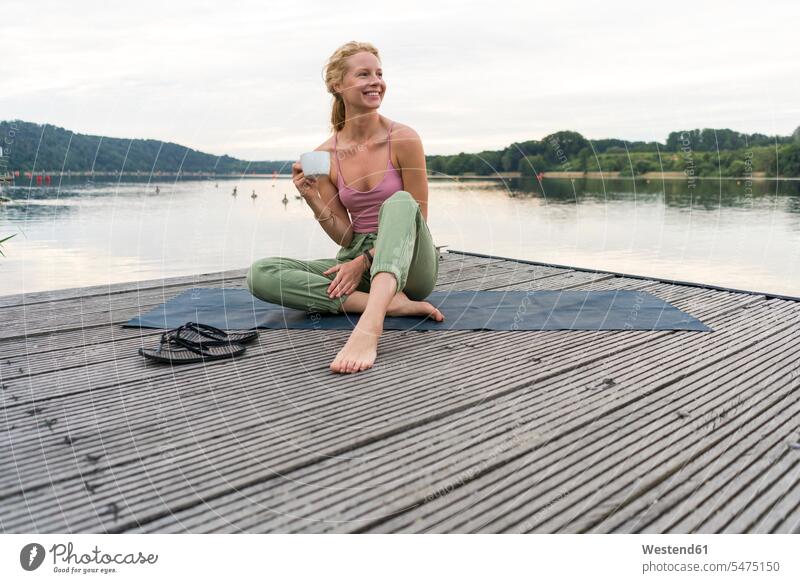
618	176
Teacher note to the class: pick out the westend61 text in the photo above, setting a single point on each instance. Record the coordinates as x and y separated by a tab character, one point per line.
670	550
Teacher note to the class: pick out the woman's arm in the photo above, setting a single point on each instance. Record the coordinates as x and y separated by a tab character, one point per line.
330	212
411	157
321	196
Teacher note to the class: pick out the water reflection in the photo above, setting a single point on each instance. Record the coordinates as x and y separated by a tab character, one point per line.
707	193
744	235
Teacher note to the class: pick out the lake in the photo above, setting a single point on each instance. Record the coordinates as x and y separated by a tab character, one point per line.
736	234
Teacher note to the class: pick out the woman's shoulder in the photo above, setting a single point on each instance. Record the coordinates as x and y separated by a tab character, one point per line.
406	143
403	131
404	136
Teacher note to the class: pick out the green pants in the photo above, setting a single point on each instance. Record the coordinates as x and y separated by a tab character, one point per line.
404	247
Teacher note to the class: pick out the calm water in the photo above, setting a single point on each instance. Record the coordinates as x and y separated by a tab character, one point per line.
737	235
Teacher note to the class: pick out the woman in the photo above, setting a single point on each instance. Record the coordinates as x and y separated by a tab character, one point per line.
387	263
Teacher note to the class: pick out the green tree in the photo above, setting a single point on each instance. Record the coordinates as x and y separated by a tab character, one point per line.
456	165
735	168
789	159
530	165
562	148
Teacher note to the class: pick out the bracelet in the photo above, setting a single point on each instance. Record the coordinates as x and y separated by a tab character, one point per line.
330	217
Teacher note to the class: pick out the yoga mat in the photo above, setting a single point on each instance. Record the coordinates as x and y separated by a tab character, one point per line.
238	309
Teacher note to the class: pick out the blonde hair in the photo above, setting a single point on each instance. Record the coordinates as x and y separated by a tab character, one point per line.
334	72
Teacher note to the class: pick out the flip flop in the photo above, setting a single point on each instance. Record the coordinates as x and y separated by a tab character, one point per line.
175	350
205	335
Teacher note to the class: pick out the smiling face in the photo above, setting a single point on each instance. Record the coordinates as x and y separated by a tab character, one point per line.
363	86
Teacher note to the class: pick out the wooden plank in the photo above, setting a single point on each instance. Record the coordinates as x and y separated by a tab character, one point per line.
392	396
545	497
123	344
12	368
784	517
124	357
117	288
81	381
784	497
768	295
708	482
749	507
25	399
96	381
43	318
543	500
360	414
474	277
307	492
566	503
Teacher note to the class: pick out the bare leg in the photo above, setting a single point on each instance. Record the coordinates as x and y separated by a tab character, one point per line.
361	349
401	305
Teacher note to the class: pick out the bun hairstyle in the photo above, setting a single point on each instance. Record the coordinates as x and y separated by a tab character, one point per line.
334	72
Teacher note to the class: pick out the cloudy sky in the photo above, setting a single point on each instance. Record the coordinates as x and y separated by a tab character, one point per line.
245	78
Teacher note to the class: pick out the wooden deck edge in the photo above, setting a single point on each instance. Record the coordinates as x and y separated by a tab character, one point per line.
768	295
119	287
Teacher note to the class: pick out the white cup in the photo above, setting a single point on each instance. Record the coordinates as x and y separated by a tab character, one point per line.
315	163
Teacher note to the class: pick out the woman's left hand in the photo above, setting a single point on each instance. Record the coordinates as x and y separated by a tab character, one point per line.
348	276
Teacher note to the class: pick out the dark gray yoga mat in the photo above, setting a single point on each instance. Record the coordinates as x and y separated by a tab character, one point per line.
237	309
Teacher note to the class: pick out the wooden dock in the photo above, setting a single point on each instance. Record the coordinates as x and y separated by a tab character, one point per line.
451	431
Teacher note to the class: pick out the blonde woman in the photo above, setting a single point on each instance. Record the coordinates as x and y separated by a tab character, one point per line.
374	204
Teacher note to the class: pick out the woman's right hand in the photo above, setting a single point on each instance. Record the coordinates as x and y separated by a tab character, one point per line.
307	186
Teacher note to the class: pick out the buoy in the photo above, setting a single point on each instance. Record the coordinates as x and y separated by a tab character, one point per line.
47	179
38	179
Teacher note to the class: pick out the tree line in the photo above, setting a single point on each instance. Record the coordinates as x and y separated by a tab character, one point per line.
699	152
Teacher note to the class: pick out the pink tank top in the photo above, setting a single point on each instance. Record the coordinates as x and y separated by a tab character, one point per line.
364	206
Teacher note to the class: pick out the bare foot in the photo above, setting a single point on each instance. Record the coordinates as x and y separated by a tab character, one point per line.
360	350
401	305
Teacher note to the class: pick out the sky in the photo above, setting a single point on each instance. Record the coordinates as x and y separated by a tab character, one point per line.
245	78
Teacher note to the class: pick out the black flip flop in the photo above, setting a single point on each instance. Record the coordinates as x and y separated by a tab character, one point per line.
175	350
205	335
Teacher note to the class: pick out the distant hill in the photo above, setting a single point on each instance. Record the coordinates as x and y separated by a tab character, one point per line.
30	146
698	152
